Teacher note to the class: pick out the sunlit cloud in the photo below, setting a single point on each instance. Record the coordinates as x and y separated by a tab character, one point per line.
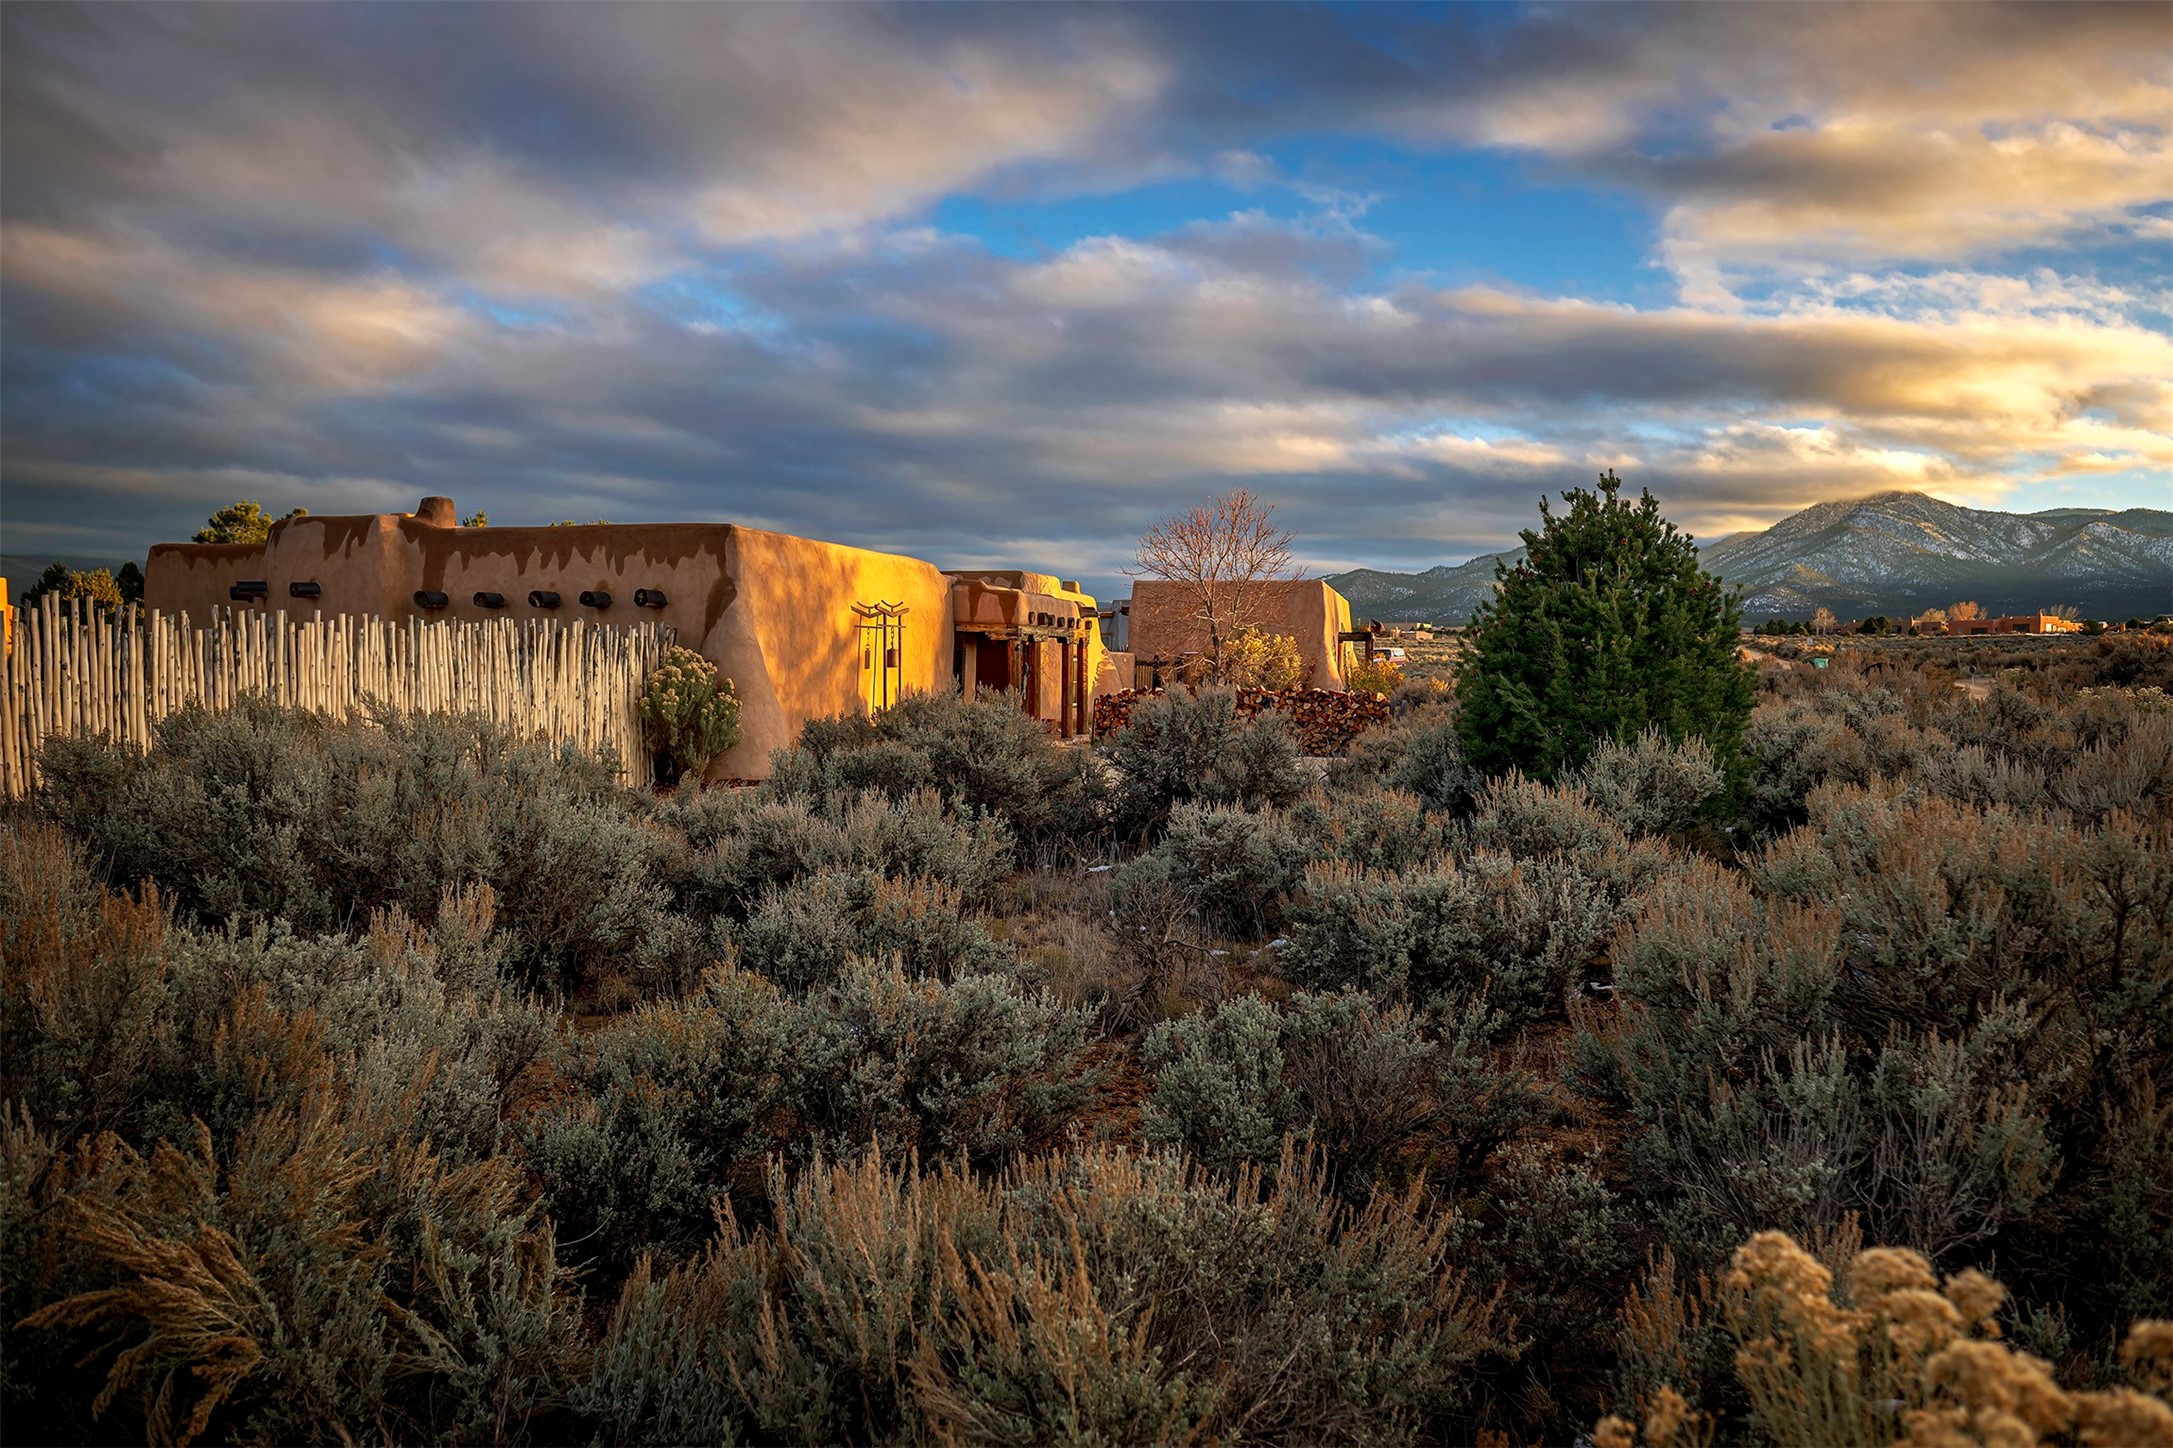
735	262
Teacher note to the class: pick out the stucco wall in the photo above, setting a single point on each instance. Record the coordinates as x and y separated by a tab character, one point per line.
1307	610
193	578
773	612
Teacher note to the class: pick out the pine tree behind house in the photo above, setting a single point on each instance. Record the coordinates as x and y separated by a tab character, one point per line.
1607	627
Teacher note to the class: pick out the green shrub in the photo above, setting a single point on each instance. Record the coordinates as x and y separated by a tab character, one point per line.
1649	786
982	754
311	1284
681	1103
1376	829
744	846
1422	755
260	814
977	1068
1235	865
809	934
688	711
1366	1088
1185	749
1524	932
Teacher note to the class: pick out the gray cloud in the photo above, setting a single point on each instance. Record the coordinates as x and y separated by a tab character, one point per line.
665	261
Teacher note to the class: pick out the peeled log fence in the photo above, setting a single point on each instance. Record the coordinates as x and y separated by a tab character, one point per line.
73	671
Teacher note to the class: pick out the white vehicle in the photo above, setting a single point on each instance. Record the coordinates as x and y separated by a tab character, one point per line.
1394	656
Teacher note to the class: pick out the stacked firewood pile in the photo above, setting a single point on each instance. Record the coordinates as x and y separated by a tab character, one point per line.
1323	721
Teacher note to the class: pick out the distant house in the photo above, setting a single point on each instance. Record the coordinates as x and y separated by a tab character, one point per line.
1166	629
2013	623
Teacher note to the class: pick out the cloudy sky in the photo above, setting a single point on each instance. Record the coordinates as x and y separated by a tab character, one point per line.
1004	284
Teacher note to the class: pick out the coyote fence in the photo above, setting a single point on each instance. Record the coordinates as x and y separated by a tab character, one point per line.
74	671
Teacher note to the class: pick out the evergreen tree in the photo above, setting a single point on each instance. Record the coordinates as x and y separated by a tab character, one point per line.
1607	627
243	522
64	585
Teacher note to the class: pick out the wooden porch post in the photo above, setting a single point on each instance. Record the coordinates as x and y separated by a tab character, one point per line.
1063	688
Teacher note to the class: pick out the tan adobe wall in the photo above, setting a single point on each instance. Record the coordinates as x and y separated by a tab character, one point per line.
193	578
1116	674
773	612
792	635
1308	610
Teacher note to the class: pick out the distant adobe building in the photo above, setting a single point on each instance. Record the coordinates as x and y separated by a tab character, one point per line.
804	629
1165	627
2013	623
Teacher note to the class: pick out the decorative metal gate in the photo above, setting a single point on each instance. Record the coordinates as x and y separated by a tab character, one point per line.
882	644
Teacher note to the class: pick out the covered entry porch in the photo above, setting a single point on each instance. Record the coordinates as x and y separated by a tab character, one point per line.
1041	642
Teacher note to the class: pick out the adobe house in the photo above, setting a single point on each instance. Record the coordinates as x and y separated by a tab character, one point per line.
804	629
2027	623
1165	626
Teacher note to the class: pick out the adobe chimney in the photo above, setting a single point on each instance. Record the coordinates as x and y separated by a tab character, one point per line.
437	512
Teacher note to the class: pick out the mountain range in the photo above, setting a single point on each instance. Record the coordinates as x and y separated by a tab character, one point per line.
1894	553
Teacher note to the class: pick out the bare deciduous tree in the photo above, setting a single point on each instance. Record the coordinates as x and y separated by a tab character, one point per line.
1823	621
1964	610
1215	553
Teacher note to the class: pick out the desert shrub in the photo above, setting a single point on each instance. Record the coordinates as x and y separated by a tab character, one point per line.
1235	866
1367	1088
809	934
1649	786
115	1019
1888	1352
82	990
1219	1087
1377	829
742	846
1373	676
1530	820
259	814
981	753
1422	757
1554	1237
1258	659
689	711
1789	749
1096	1295
581	890
1525	932
1709	981
327	1270
1184	749
978	1068
681	1103
1946	908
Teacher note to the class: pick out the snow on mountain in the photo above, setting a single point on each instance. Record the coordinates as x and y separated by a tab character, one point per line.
1893	553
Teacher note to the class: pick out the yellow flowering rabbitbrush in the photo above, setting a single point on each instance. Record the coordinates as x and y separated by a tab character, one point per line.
690	711
1902	1358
